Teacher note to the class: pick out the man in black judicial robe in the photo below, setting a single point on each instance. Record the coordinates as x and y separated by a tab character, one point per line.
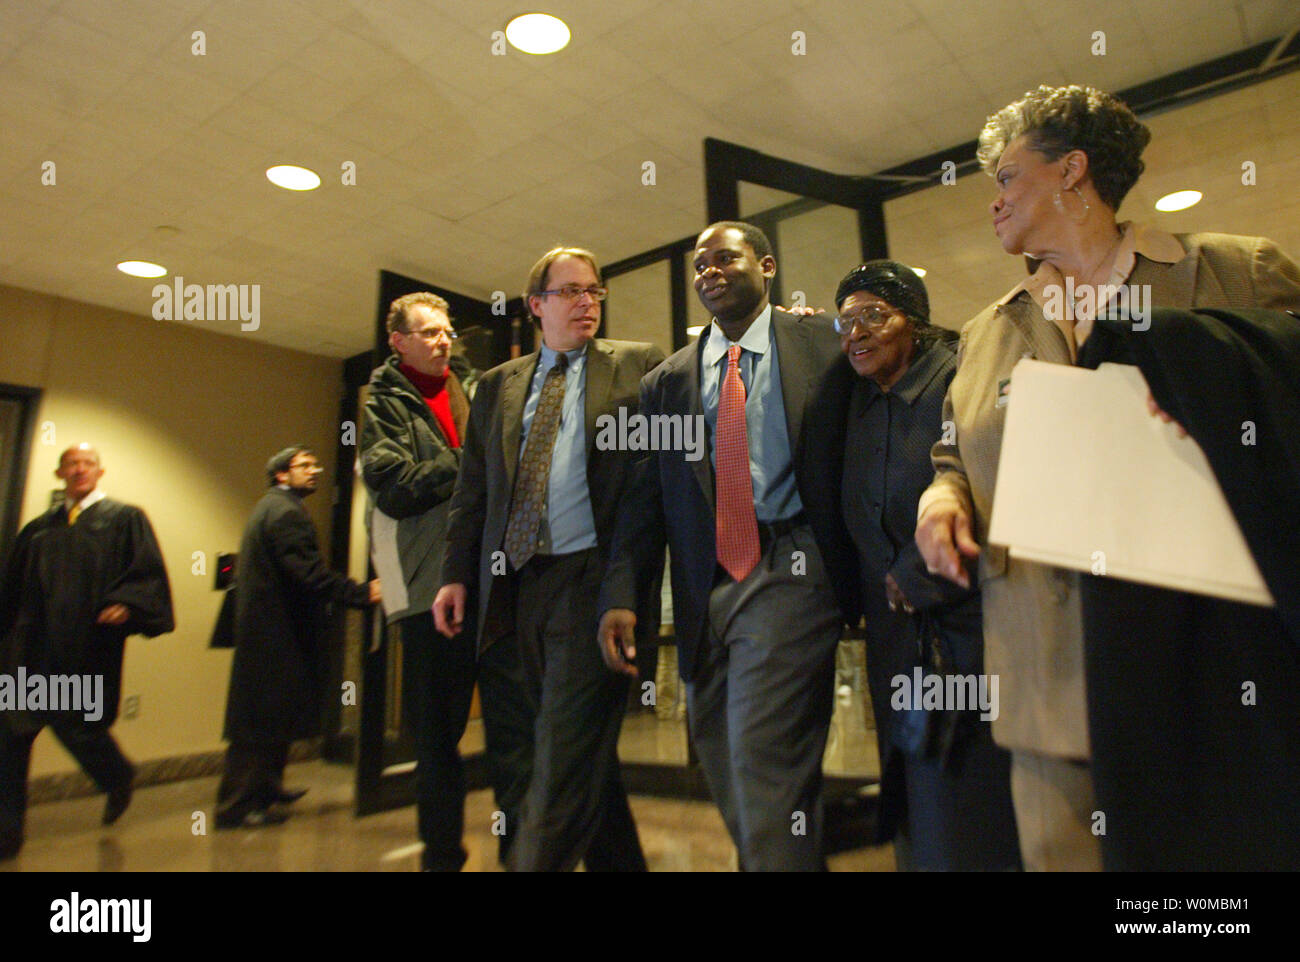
283	591
81	578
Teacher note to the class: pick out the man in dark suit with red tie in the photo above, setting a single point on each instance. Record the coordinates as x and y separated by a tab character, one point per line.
529	532
755	539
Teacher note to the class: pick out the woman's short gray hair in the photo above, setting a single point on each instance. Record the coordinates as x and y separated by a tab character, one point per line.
1061	119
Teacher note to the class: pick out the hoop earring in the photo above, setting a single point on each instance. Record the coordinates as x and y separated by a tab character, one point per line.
1086	206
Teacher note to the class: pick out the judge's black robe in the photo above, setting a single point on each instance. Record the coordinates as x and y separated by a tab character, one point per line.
1194	702
60	577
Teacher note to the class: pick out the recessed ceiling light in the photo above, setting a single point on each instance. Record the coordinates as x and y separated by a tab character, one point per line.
141	269
694	330
293	178
537	33
1178	200
918	271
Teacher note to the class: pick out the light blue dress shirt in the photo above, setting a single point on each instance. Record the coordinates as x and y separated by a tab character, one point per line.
776	495
568	524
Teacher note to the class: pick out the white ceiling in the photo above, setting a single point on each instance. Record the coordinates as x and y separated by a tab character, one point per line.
468	165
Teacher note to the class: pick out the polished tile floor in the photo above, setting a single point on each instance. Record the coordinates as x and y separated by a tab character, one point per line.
165	830
168	827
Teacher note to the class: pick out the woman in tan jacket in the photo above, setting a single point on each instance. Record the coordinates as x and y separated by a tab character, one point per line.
1063	158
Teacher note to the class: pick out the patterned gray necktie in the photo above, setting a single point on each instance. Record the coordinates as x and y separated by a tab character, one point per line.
535	468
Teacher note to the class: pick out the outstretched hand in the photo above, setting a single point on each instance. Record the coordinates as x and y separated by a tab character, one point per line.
449	609
1157	411
944	536
617	639
114	615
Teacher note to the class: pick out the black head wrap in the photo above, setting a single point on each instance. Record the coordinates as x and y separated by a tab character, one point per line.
890	281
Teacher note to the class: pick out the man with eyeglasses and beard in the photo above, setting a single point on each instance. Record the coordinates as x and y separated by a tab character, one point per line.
281	621
528	539
415	418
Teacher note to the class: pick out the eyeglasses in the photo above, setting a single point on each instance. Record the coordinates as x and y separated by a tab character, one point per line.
571	292
871	319
433	333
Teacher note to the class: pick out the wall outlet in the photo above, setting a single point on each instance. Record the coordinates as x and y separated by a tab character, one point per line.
131	707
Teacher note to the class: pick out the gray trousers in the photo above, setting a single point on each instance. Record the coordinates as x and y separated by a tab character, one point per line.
552	713
760	703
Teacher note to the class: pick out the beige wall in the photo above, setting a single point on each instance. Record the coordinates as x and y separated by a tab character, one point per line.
1200	146
185	420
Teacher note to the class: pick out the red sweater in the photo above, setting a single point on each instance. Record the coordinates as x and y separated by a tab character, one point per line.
434	391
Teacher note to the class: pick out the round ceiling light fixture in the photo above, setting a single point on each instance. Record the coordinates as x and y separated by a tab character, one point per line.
537	33
142	269
1179	200
293	178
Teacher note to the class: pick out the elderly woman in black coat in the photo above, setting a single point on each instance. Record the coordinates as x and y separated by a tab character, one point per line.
945	787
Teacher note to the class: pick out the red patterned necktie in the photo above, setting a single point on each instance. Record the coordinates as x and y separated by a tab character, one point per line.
737	526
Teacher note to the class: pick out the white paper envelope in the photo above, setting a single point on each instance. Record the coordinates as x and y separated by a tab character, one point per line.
1087	477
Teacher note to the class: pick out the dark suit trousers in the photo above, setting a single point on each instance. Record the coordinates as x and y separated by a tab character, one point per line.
438	688
760	703
253	777
91	745
552	713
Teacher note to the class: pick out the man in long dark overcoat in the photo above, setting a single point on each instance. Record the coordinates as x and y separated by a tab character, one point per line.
284	592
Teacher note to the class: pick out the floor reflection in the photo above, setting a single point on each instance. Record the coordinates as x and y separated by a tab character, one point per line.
161	832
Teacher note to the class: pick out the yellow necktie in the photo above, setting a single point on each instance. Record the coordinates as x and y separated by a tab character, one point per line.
73	513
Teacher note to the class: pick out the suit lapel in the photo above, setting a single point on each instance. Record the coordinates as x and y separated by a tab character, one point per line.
1045	339
693	404
513	396
600	375
794	353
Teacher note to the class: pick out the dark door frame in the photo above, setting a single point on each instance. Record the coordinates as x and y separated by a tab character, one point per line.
11	513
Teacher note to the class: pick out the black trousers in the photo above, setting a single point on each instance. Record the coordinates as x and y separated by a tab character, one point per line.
90	744
253	778
437	689
552	712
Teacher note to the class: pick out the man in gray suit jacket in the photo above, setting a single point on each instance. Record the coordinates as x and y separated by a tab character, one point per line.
529	534
755	537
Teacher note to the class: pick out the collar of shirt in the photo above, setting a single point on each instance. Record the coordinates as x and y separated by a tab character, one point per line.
1154	245
756	339
925	367
93	498
576	359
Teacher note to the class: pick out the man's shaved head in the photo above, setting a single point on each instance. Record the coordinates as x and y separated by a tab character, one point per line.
80	470
84	446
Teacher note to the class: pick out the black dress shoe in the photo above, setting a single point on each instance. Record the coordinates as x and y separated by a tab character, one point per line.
260	817
257	818
118	799
287	796
11	843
